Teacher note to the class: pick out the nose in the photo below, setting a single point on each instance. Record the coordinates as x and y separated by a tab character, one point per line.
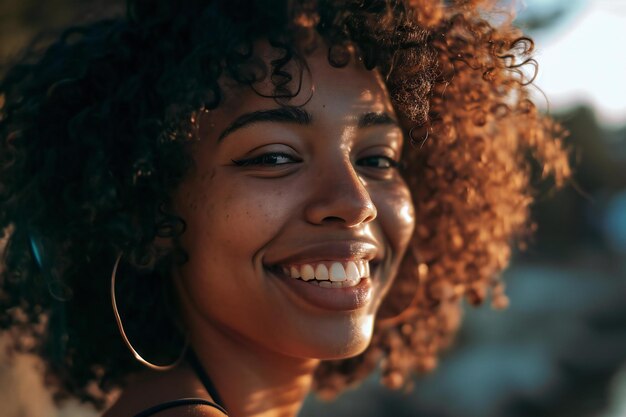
340	197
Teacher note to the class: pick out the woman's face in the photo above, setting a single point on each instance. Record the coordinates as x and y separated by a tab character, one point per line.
297	217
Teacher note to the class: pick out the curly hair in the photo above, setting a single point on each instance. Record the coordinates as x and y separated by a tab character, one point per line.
94	130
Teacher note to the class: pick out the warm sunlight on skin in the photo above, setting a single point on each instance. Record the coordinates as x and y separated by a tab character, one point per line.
272	195
234	188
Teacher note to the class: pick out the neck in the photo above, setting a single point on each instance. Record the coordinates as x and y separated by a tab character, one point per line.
252	380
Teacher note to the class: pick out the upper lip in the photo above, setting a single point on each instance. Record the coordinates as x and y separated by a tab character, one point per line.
336	250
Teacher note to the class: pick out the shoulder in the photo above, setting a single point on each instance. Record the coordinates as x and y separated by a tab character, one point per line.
175	393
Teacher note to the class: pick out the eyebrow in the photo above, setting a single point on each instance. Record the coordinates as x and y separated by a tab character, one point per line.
286	114
297	115
376	119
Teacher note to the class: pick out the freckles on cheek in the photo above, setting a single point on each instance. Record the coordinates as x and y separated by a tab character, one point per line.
200	204
238	212
254	211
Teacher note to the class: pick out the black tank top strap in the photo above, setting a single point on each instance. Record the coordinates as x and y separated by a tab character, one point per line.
193	360
178	403
208	385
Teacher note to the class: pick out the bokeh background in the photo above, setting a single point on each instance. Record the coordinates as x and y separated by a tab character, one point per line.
560	348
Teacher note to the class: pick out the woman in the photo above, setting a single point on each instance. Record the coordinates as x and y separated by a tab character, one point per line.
261	198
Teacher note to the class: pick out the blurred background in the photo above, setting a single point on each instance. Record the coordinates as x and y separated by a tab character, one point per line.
560	348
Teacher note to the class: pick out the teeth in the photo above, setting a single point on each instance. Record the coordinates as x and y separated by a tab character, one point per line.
338	284
294	272
352	272
337	273
307	272
321	273
330	274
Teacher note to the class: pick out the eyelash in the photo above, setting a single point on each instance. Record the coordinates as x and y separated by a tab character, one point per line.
263	160
392	163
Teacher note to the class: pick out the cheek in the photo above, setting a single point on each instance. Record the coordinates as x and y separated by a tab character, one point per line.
233	218
229	222
396	215
397	220
253	212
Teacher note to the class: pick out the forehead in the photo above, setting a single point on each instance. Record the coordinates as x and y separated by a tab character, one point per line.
328	93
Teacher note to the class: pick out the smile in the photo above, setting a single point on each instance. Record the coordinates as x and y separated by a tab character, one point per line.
329	274
330	285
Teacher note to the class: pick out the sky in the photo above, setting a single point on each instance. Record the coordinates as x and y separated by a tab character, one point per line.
582	59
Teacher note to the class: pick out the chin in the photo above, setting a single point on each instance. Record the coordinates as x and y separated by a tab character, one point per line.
340	342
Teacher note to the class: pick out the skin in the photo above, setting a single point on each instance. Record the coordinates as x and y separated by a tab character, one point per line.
258	342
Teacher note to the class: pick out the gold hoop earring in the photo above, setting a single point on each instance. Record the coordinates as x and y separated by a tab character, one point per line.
120	326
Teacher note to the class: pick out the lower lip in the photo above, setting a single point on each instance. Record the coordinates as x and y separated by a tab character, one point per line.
334	299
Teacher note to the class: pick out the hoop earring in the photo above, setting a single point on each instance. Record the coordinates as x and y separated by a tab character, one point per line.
136	354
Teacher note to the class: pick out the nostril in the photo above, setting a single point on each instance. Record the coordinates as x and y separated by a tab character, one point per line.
333	219
346	203
352	218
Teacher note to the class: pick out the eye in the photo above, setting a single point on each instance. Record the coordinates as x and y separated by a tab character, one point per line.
378	162
267	159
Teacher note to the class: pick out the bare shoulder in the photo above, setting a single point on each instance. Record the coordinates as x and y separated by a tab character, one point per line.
175	393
